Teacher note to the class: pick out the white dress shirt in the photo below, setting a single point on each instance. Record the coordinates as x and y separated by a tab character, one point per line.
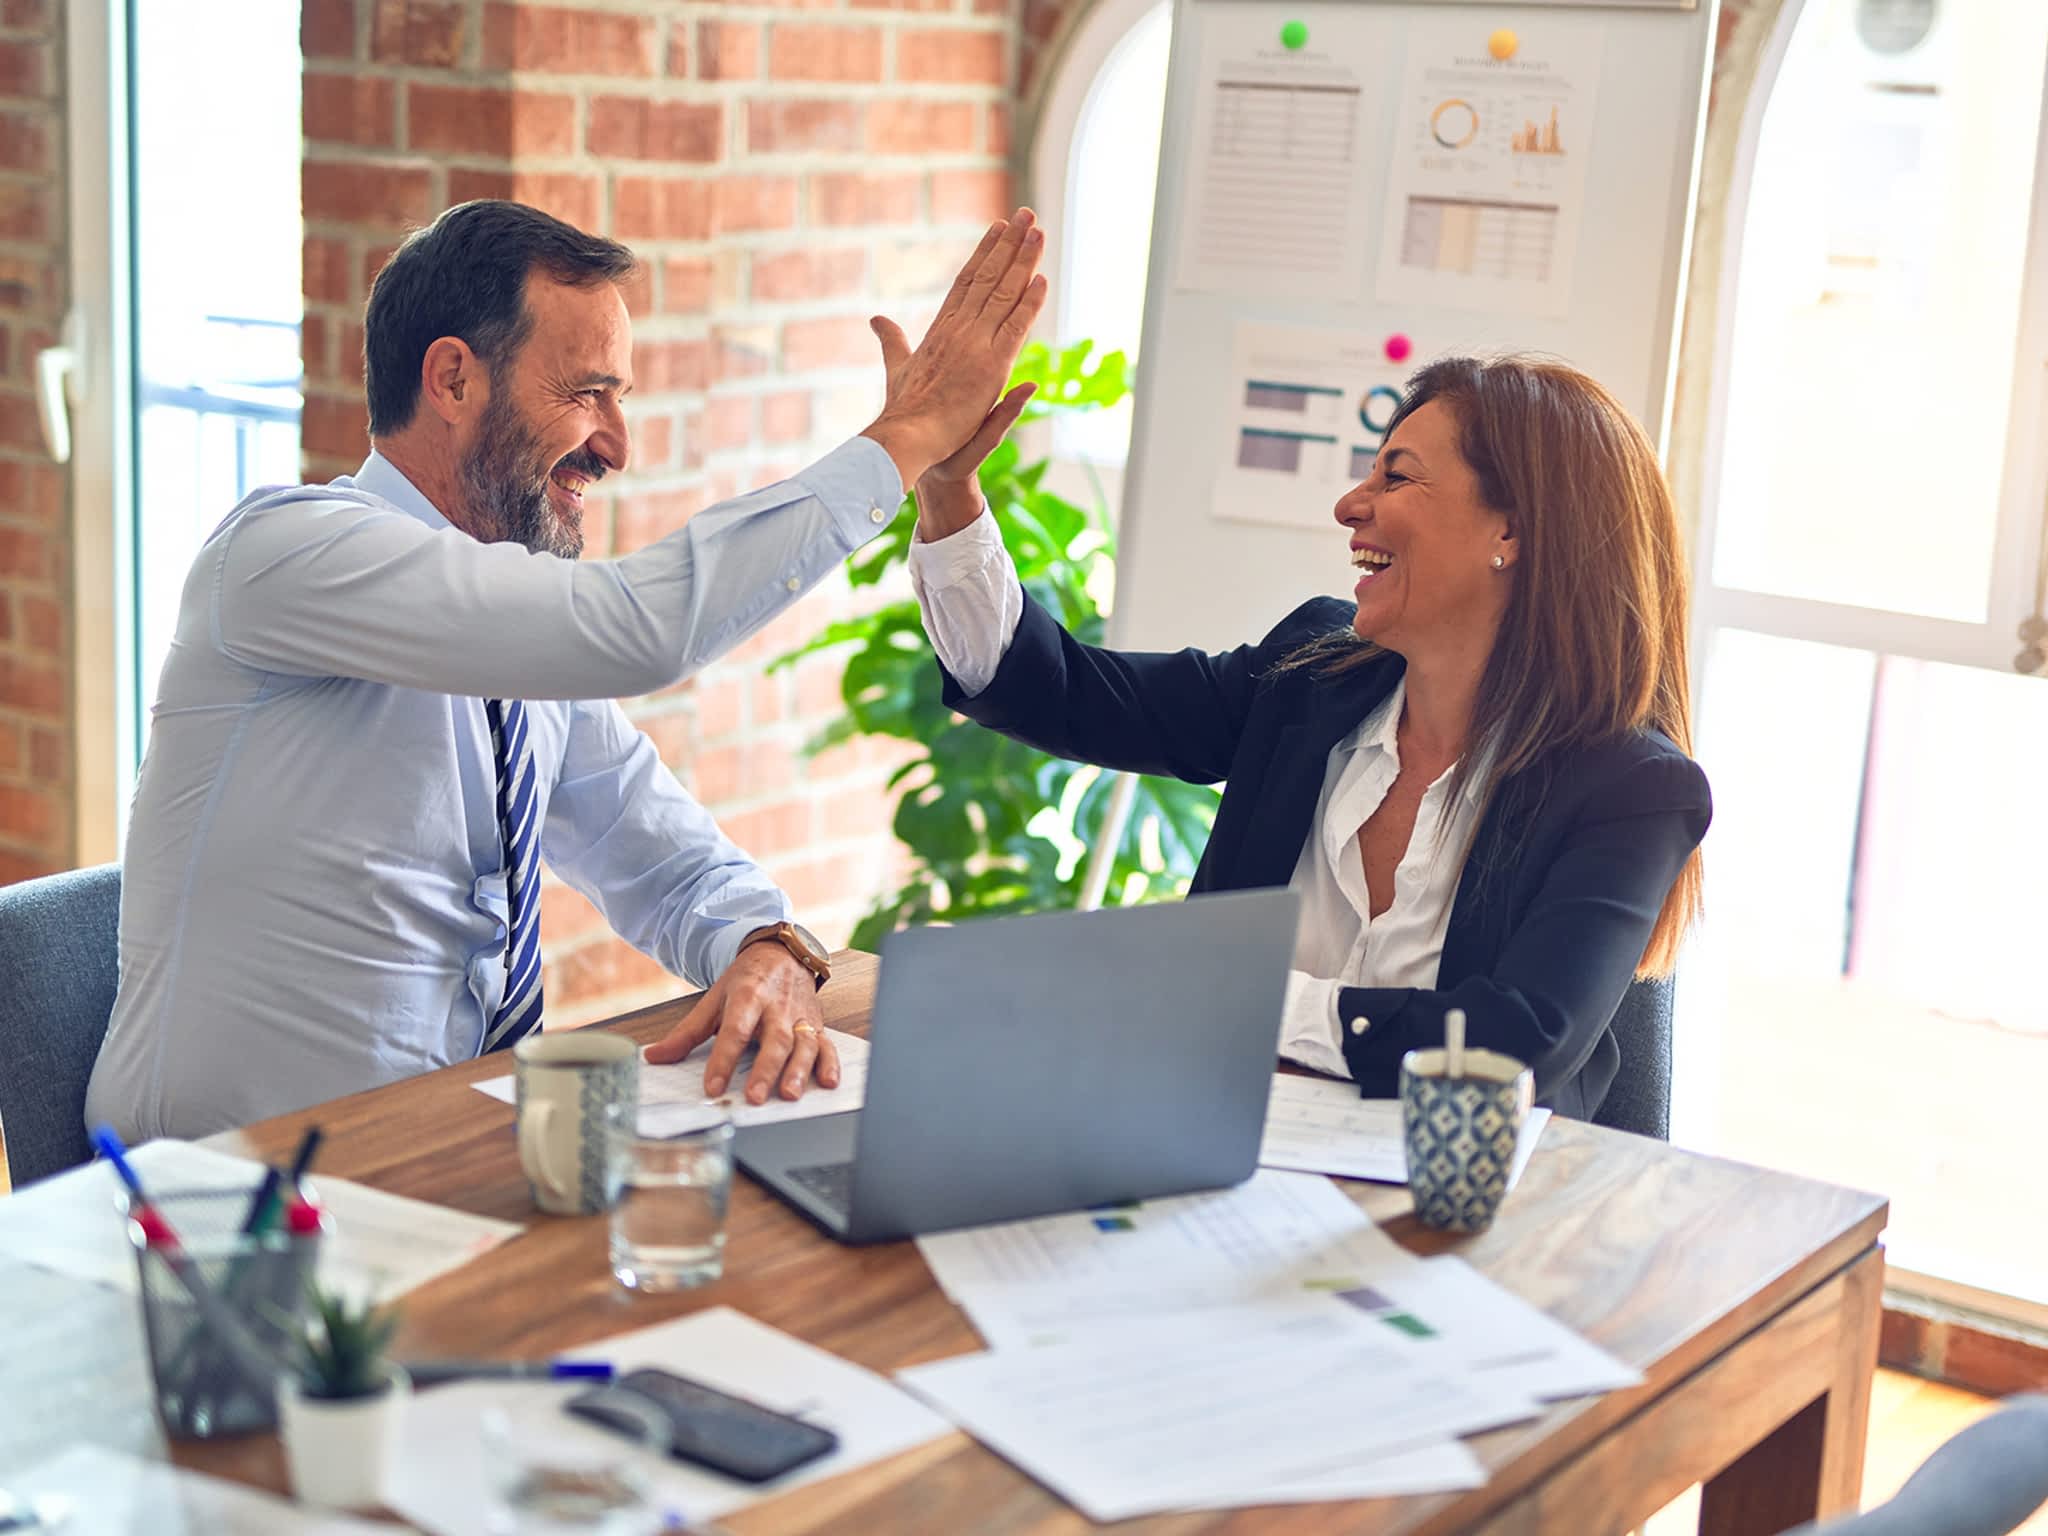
314	887
972	601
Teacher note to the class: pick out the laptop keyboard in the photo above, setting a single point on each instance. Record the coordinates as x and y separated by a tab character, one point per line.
830	1182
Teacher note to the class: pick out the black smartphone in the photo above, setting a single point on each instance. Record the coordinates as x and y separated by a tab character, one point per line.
711	1428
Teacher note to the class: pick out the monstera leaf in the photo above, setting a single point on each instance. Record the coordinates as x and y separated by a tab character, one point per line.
993	827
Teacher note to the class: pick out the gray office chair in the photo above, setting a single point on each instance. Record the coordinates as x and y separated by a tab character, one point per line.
59	960
1640	1099
1984	1482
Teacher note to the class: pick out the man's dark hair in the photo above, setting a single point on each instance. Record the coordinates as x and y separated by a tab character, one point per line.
464	275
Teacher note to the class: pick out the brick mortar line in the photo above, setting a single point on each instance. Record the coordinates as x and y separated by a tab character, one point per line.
969	97
772	92
644	88
541	83
381	157
742	161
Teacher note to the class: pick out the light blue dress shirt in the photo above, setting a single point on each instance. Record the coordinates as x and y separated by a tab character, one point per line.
313	897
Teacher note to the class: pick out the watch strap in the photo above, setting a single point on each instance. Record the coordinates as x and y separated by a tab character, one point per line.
787	935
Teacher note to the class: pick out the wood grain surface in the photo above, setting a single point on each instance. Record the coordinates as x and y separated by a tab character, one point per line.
1749	1299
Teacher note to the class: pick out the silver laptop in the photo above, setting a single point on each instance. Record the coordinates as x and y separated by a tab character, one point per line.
1027	1065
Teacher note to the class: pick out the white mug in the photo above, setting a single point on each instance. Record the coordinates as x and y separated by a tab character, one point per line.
577	1092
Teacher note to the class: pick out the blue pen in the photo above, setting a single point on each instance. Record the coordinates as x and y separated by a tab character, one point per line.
109	1146
425	1373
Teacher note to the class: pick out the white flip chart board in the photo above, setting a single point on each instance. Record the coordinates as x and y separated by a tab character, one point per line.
1347	190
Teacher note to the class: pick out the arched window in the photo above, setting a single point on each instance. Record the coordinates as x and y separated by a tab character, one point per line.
1094	163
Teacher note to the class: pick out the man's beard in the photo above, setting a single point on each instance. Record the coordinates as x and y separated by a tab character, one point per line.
505	477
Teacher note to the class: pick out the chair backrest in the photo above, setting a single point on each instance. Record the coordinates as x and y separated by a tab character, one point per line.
1984	1481
59	963
1639	1100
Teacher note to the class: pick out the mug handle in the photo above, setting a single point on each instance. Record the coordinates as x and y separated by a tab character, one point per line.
533	1147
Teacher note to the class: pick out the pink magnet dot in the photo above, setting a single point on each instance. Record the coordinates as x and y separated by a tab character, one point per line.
1398	348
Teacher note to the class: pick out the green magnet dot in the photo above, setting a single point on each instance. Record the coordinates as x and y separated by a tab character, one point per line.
1294	34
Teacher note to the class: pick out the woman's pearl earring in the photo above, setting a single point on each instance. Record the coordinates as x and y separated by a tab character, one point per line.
1500	562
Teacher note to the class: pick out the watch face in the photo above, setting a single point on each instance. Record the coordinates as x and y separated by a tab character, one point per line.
1894	26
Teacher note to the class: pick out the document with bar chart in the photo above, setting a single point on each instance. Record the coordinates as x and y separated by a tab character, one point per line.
1308	411
1486	191
1276	199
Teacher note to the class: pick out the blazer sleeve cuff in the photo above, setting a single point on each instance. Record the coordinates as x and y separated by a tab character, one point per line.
1033	658
1375	1033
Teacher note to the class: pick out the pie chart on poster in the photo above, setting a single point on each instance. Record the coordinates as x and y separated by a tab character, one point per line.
1453	123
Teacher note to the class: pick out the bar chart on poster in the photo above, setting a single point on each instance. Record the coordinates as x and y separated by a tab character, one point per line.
1349	190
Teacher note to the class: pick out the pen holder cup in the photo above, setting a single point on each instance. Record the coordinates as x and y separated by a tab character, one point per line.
223	1311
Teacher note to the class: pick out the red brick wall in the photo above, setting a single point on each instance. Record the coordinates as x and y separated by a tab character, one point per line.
36	796
786	170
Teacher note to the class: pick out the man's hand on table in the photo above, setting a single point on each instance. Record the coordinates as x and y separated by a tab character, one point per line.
765	996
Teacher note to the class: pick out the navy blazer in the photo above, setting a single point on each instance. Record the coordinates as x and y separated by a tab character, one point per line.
1563	884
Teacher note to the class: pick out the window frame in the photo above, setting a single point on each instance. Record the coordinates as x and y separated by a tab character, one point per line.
105	689
2018	549
1073	66
1070	72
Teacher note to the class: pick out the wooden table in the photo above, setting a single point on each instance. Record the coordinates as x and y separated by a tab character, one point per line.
1749	1300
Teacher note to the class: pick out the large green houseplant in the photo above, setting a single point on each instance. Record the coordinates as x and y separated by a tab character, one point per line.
994	827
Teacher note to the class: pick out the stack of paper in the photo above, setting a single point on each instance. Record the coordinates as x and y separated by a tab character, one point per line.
383	1245
75	1370
446	1485
1277	1234
90	1489
673	1100
1261	1344
1189	1409
1321	1125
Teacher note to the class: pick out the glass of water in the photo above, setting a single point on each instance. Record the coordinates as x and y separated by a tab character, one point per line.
668	1228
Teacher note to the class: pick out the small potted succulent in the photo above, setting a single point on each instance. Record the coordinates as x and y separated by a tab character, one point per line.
341	1406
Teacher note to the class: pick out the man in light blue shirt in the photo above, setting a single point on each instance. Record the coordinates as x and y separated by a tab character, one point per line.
388	698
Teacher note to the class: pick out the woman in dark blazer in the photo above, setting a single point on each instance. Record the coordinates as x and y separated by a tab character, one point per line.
1477	774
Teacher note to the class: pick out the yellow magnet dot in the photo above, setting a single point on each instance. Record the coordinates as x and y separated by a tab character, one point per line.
1502	44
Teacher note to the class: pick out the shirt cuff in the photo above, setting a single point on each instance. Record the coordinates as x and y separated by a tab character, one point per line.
1310	1031
724	946
949	561
859	486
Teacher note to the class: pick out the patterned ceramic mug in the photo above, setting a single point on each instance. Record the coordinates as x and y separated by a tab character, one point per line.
1460	1134
576	1093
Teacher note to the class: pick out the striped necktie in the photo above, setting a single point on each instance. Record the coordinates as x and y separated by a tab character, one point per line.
519	1014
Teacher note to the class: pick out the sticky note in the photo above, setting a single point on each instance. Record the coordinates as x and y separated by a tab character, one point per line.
1294	34
1398	348
1502	44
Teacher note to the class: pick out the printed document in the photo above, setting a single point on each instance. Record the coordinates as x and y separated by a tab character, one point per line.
672	1097
1278	1233
1197	1410
1321	1124
107	1493
444	1485
382	1245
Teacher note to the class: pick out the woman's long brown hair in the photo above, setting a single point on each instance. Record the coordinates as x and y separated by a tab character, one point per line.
1593	643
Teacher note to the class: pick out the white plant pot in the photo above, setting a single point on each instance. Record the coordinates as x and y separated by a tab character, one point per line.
340	1450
